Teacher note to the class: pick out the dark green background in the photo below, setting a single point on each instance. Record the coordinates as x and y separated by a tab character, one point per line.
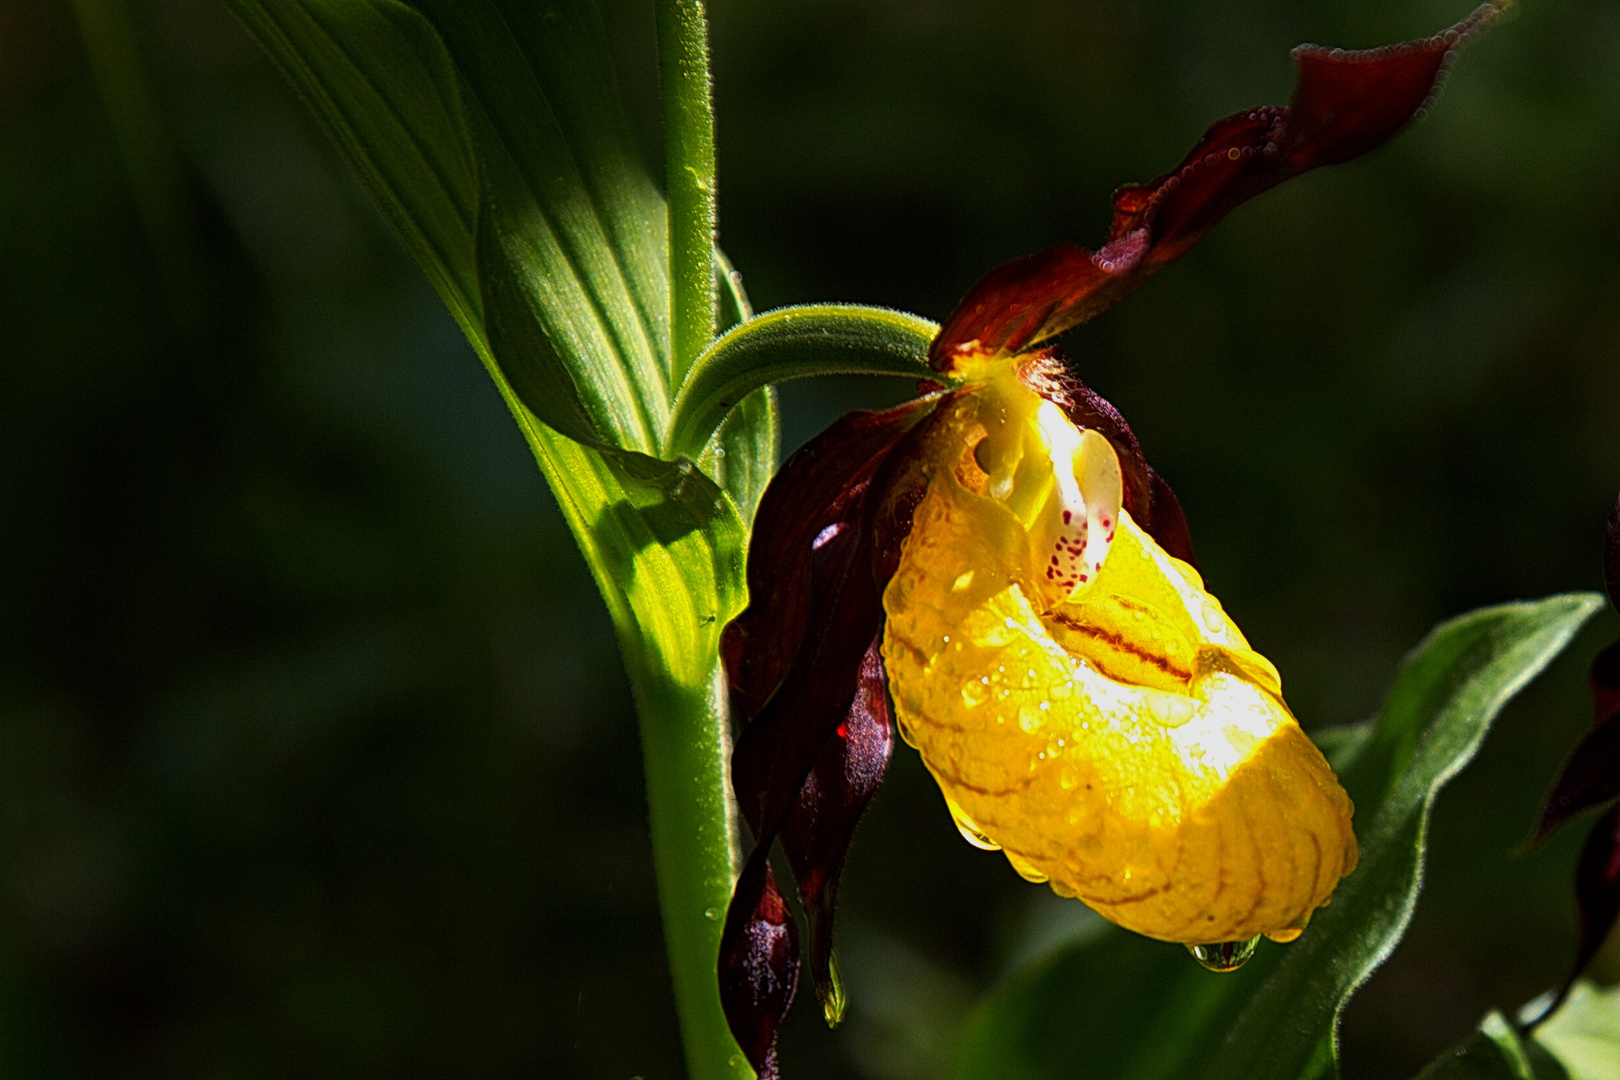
316	758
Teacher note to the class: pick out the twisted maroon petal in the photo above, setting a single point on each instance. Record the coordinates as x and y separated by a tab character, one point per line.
777	749
815	750
1345	104
759	964
811	493
774	758
821	823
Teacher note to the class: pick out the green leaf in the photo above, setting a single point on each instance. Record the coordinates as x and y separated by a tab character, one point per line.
491	136
1495	1052
1584	1034
1080	1012
571	236
671	541
792	343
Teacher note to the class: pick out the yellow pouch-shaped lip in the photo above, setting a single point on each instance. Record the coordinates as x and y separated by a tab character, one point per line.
1120	739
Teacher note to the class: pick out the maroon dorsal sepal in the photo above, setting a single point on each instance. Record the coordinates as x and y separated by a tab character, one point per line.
1345	103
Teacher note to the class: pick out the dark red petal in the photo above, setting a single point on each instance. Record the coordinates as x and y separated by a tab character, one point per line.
821	824
1148	497
774	756
1591	776
759	963
1017	303
811	492
1597	892
779	746
1611	555
1345	103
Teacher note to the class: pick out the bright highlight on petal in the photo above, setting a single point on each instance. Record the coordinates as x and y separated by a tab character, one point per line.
1086	705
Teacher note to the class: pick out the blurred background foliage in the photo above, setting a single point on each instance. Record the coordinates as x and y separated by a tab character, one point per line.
316	757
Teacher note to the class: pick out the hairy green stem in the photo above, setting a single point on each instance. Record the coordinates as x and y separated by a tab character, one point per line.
685	735
685	749
683	61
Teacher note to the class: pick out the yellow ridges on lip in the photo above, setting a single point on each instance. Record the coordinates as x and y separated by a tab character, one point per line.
1123	742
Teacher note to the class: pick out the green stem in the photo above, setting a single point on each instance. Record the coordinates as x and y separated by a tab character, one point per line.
685	740
683	61
685	748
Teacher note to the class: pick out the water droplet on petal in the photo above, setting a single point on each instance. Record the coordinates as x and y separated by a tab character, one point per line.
973	693
1224	955
969	829
1283	937
1025	870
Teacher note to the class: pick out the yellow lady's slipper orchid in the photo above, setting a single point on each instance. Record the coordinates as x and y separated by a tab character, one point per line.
998	556
1085	704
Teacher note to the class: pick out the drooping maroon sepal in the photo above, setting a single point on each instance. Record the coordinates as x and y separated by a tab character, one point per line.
777	749
805	670
1345	103
759	964
811	493
821	823
1148	497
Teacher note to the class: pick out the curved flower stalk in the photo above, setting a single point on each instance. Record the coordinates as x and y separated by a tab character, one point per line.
998	558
